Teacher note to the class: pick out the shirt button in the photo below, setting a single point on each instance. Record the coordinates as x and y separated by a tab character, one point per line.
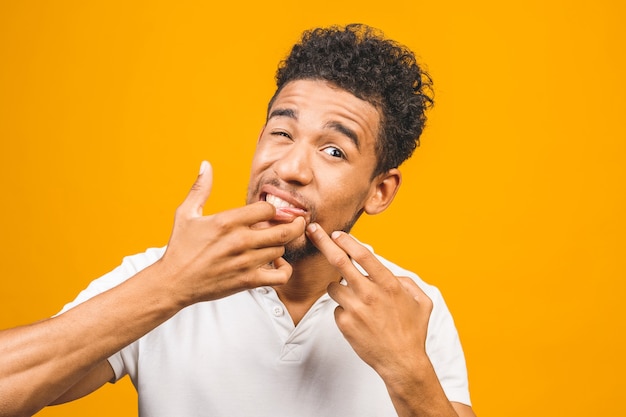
278	311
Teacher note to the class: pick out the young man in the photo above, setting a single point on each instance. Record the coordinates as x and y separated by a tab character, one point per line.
258	310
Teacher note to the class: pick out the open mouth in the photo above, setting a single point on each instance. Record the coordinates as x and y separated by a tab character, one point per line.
285	211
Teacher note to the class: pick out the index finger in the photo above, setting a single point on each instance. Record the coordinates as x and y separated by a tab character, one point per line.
250	214
364	257
335	255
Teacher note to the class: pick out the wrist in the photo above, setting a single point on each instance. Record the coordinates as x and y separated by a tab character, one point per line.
160	283
409	371
415	389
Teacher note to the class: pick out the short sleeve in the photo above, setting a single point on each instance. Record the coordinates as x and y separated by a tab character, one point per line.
444	349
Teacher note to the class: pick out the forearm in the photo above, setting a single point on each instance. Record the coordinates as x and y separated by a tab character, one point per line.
416	391
208	257
39	362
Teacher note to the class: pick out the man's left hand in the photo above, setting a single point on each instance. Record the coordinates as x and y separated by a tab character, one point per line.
383	317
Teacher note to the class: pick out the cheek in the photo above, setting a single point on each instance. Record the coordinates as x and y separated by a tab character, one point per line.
342	200
260	160
264	155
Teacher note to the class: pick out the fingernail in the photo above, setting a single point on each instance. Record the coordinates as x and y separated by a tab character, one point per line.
335	234
203	167
311	228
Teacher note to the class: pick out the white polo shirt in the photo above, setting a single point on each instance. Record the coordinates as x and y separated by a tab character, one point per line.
242	356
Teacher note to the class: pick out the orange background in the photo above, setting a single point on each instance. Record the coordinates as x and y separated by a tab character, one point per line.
514	206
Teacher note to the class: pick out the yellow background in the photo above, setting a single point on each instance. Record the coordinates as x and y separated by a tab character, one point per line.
513	206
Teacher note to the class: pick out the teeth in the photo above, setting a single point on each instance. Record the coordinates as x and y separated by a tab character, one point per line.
277	202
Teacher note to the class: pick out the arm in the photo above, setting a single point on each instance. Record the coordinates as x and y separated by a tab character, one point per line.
97	377
208	257
385	320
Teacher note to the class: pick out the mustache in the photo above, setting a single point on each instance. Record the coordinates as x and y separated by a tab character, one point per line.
275	182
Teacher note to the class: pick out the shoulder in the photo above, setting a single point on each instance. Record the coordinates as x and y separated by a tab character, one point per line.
430	290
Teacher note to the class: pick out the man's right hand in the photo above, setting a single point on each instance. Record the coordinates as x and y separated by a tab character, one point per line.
210	257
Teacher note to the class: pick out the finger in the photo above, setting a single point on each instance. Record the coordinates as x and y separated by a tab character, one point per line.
247	215
335	255
279	235
417	293
278	274
412	288
339	311
339	293
199	193
280	263
269	234
364	257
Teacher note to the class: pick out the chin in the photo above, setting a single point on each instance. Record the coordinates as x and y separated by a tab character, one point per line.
299	249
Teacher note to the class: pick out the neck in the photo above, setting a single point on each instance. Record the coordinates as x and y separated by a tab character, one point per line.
307	284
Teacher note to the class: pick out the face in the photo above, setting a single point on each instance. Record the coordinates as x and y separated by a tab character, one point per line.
315	157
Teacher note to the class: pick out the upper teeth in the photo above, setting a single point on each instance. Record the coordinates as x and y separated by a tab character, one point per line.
277	202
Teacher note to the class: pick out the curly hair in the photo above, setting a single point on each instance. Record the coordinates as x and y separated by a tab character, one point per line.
358	59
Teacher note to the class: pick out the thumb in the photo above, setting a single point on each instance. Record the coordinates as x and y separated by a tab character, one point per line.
200	191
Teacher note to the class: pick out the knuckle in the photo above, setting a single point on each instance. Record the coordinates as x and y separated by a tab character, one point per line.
284	235
241	268
280	251
428	303
425	302
341	318
247	281
220	222
360	253
391	287
340	260
369	299
263	209
196	186
180	211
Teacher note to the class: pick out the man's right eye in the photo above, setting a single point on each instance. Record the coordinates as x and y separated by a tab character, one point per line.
281	133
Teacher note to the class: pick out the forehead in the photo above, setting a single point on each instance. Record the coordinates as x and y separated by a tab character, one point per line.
318	103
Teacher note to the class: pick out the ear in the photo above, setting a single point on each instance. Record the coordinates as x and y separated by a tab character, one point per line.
383	190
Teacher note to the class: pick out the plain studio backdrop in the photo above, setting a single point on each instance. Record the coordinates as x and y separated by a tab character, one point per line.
514	205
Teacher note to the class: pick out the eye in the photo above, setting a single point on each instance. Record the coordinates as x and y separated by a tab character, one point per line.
281	133
334	152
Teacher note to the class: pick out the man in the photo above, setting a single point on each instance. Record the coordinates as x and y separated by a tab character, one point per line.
258	310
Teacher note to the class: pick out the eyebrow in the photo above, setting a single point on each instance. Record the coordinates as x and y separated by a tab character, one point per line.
337	126
284	113
346	131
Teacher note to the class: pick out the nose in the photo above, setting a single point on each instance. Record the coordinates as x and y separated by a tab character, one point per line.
294	165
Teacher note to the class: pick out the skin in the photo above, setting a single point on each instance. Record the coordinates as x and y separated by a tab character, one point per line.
208	257
377	314
316	153
385	320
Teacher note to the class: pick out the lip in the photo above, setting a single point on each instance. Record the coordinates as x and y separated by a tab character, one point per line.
285	214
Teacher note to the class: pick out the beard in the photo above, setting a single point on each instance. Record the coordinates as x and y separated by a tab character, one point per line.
298	251
295	252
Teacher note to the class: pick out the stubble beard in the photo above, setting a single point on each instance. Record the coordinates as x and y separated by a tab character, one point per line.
296	251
